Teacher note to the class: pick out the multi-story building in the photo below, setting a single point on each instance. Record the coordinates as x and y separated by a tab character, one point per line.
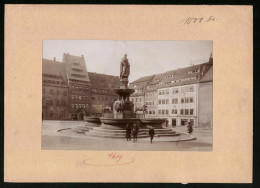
151	95
69	91
79	85
102	92
54	90
179	95
140	87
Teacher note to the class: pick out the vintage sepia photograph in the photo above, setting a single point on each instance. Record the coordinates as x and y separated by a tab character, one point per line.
127	95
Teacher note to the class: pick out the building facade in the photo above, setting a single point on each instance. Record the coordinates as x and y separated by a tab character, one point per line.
180	96
54	90
140	87
69	91
102	92
79	86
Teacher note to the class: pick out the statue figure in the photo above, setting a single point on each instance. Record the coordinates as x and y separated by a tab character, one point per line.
124	67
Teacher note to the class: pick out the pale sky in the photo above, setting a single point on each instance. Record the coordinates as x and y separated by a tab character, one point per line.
145	57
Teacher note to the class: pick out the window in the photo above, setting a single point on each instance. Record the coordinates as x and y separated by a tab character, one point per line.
191	100
76	96
182	100
58	92
162	111
79	97
65	93
93	98
72	87
186	111
174	101
159	111
191	89
174	111
167	101
140	99
76	105
183	121
57	103
160	102
79	105
167	112
136	100
147	94
167	91
186	100
176	90
191	111
181	111
63	103
163	101
51	92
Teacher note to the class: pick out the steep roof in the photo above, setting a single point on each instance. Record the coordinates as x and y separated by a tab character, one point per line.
143	79
54	68
76	67
208	76
103	80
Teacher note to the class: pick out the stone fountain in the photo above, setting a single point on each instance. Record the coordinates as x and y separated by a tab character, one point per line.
113	124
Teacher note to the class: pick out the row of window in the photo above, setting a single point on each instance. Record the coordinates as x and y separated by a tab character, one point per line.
79	105
150	103
175	101
53	92
136	99
76	88
53	82
176	90
175	111
100	90
177	81
151	94
54	103
79	97
102	98
79	81
151	112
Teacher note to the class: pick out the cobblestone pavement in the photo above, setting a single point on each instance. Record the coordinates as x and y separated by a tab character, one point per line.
53	140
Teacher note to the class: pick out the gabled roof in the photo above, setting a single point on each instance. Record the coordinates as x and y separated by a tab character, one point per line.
103	80
76	67
55	68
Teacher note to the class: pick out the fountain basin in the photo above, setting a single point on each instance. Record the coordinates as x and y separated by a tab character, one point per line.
112	123
155	123
92	119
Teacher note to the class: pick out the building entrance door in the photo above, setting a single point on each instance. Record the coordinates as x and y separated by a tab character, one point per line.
173	122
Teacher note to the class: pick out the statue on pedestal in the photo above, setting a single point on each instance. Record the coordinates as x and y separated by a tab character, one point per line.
124	67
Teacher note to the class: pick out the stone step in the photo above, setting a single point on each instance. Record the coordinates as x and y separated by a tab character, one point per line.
167	134
112	136
112	133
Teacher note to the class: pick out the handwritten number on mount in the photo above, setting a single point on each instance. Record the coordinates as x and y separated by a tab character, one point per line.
197	20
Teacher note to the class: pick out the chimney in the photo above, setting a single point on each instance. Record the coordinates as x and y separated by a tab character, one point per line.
54	58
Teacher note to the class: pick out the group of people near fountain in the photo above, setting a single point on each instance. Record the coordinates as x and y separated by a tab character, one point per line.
133	130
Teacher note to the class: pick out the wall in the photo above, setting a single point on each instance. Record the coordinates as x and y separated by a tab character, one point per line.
205	106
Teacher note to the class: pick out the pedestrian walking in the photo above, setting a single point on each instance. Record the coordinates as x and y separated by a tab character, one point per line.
151	134
128	132
135	131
